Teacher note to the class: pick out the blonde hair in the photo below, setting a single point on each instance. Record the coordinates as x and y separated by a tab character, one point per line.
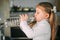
52	22
52	19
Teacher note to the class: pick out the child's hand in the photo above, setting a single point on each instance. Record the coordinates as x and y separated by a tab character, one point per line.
23	17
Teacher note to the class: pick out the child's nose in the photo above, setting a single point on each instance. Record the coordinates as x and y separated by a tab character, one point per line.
35	14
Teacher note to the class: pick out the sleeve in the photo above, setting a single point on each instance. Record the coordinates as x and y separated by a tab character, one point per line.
26	29
39	30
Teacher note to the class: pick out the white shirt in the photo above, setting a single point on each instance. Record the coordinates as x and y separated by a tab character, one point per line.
40	31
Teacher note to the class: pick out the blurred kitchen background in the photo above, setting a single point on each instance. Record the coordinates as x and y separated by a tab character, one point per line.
9	17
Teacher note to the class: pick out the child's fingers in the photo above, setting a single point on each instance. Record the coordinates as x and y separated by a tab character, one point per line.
19	15
23	17
26	15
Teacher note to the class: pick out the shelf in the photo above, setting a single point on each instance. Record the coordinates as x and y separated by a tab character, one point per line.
21	11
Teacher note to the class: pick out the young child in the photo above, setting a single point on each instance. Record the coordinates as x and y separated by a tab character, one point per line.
44	25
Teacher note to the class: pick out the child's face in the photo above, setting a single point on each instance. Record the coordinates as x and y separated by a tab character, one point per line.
40	13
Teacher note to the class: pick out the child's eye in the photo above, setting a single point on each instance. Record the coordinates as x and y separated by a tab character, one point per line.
37	12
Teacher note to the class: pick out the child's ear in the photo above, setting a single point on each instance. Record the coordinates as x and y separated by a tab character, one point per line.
47	15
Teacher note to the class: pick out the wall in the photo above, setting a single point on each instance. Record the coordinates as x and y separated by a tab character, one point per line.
4	9
29	3
4	13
